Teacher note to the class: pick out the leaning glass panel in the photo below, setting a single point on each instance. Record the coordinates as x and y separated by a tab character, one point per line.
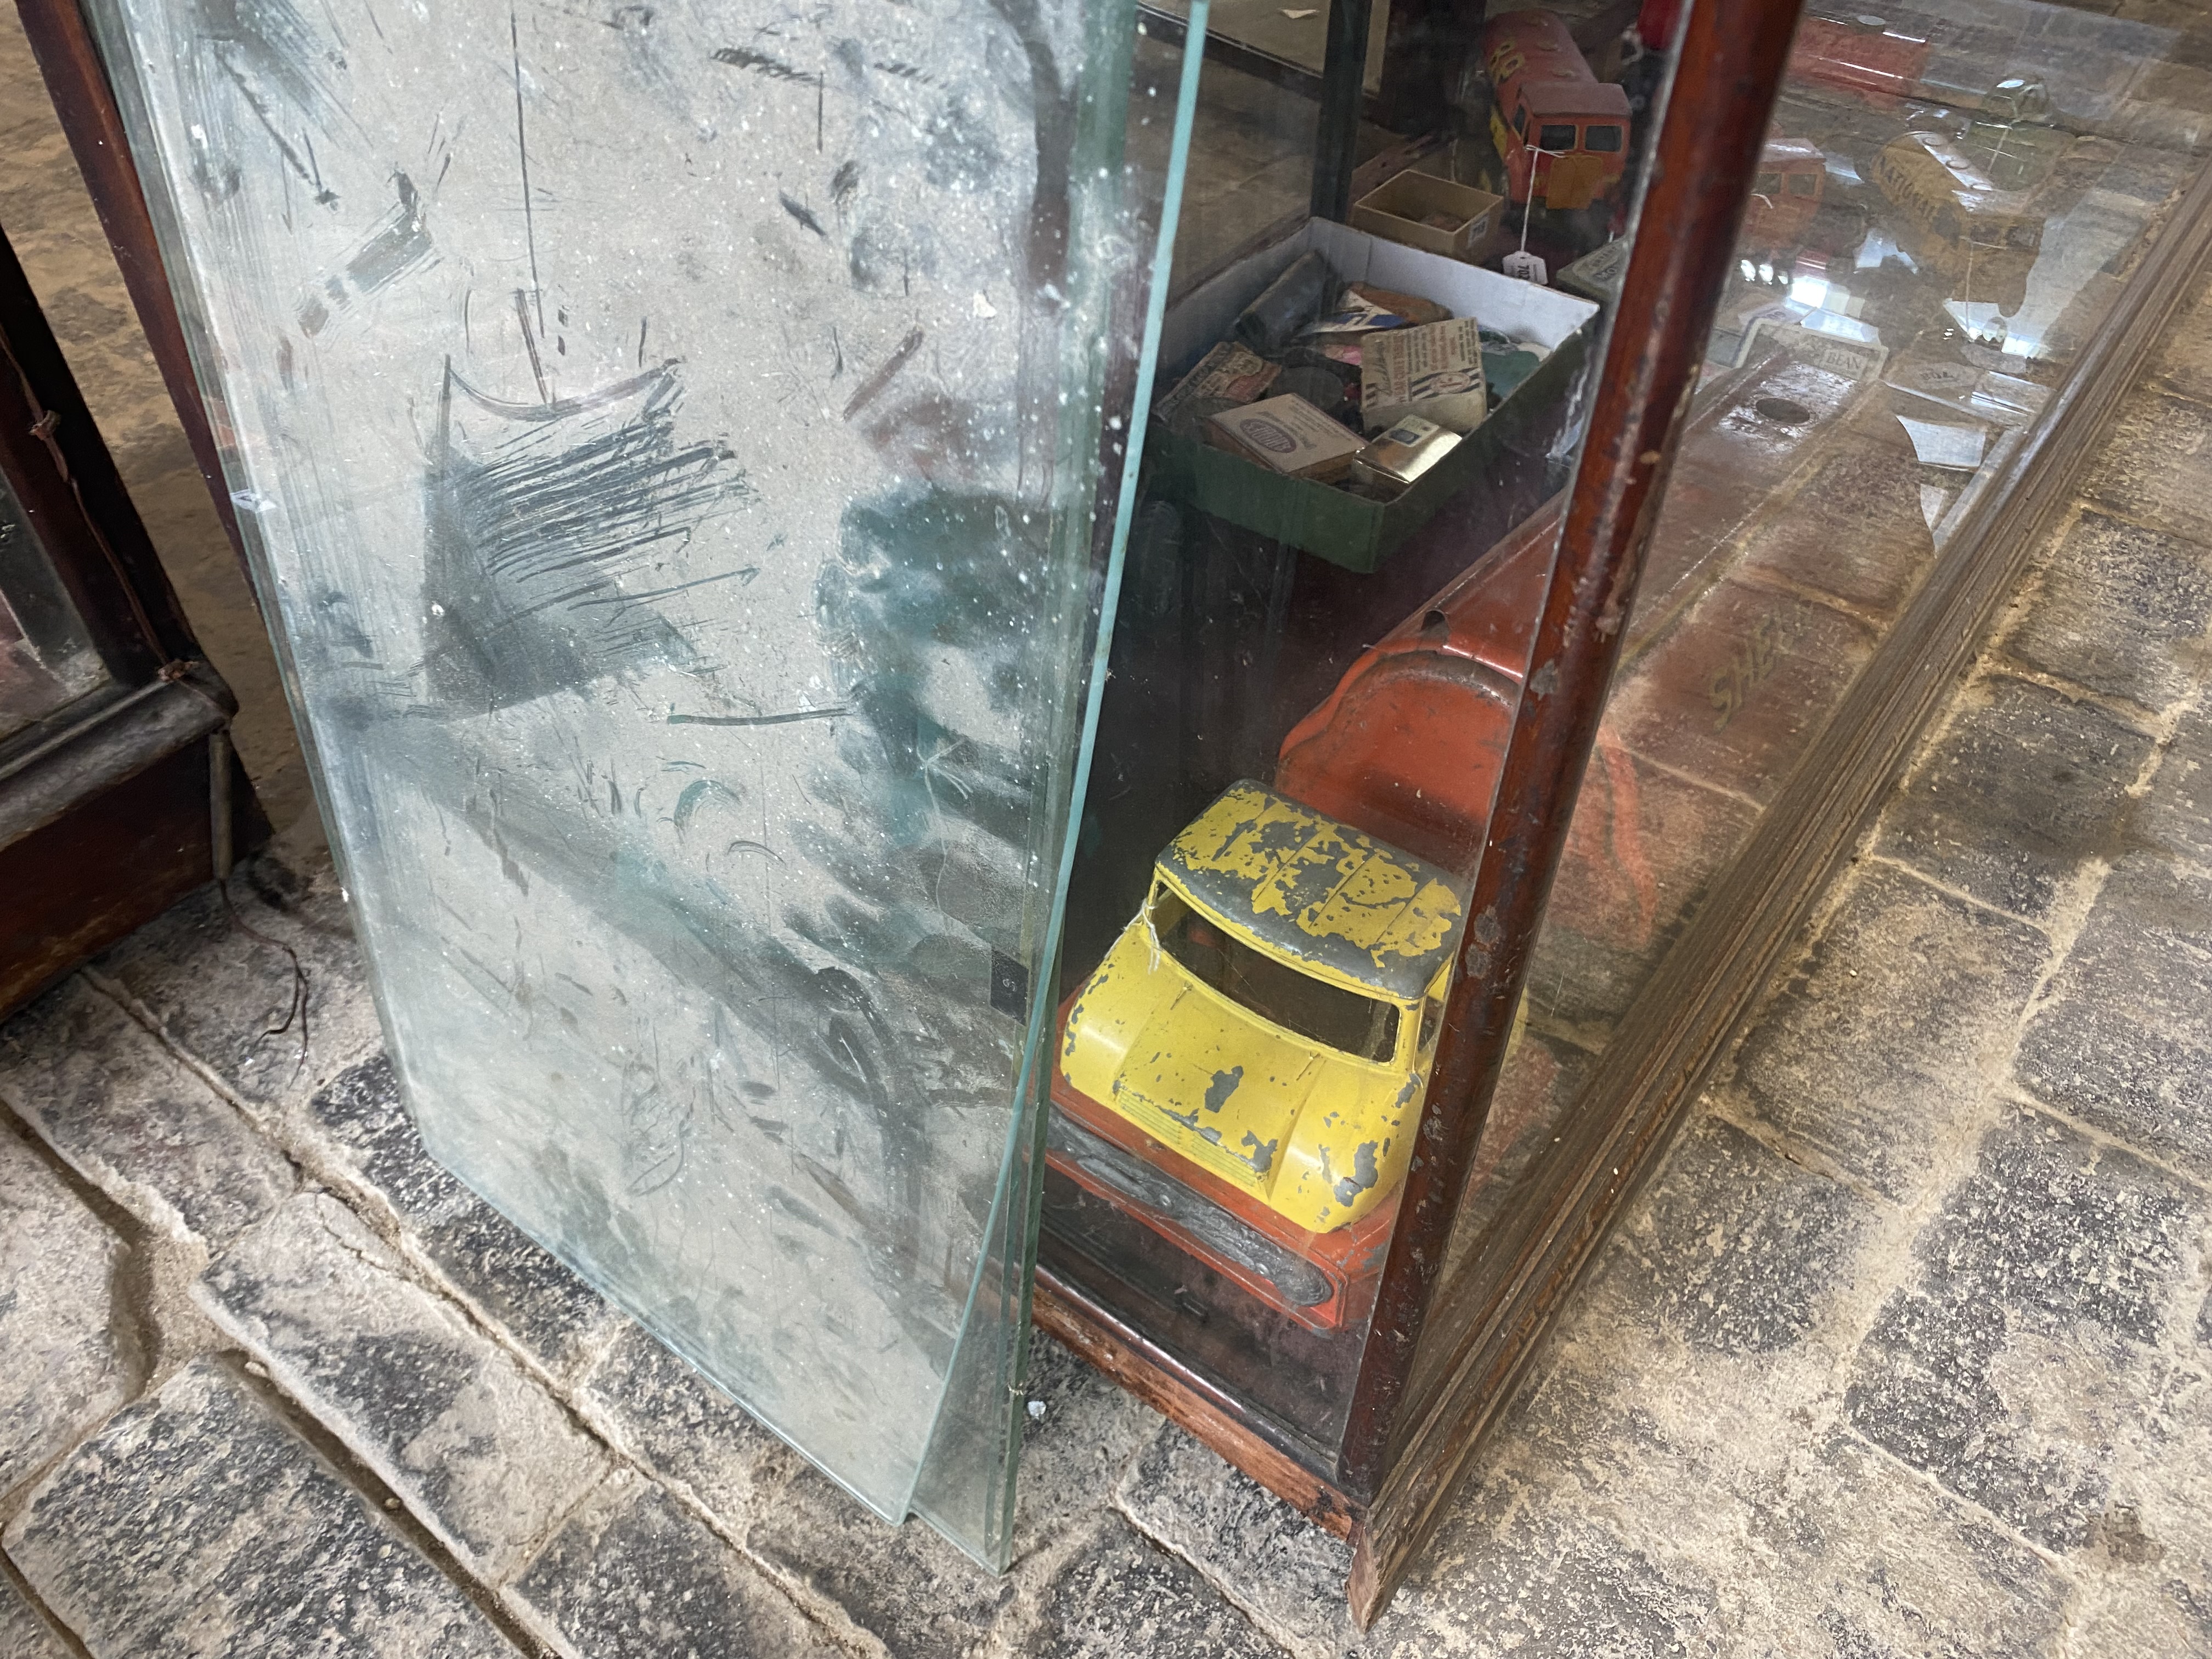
670	440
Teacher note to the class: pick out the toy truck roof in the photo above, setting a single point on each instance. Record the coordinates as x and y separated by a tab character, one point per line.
1557	93
1554	78
1341	905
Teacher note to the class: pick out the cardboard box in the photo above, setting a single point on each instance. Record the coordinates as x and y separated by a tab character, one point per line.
1404	452
1329	522
1289	436
1229	371
1412	207
1736	321
1364	308
1434	372
1599	273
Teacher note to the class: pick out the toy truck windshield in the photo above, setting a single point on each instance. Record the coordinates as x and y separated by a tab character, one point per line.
1278	993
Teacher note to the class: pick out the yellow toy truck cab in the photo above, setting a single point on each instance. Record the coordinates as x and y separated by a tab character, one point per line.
1271	1014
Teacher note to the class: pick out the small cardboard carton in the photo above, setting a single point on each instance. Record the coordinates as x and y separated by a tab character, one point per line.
1434	372
1736	321
1229	372
1456	221
1288	435
1363	308
1598	274
1401	454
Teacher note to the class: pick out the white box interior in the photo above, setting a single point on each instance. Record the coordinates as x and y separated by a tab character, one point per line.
1203	318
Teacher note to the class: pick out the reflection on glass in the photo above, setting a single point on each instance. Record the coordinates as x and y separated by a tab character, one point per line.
47	658
1953	196
1252	148
1948	203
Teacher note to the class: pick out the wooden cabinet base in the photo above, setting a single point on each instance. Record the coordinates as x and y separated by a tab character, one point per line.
103	831
1064	1312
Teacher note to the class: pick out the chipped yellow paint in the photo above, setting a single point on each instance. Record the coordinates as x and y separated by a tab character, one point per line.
1231	836
1377	907
1275	1115
1330	882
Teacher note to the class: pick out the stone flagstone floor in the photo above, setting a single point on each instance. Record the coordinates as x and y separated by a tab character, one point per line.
1908	1351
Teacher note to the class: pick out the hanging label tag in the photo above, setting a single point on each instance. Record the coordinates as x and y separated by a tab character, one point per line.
1524	266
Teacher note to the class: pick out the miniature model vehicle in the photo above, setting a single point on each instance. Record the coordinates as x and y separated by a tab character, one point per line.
1322	1280
1267	1020
1441	686
1861	57
1983	240
1785	197
1654	23
1560	133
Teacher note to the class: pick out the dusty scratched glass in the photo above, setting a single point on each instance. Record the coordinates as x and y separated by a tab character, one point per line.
670	438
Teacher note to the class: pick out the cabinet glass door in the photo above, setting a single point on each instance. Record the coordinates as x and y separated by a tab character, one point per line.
670	438
47	658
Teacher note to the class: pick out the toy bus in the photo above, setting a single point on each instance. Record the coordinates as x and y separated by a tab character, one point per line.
1785	197
1561	134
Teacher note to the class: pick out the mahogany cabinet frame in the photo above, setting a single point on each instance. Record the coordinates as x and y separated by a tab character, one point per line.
1487	1327
61	43
1705	159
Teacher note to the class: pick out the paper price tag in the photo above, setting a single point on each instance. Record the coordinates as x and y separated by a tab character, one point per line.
1524	266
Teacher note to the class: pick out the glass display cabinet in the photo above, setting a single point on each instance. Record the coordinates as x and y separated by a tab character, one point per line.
1171	666
119	790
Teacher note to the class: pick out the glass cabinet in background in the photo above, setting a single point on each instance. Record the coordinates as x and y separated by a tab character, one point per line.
1187	657
118	791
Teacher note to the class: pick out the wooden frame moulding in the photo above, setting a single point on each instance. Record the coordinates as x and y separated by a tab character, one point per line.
62	473
84	101
115	805
1704	160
